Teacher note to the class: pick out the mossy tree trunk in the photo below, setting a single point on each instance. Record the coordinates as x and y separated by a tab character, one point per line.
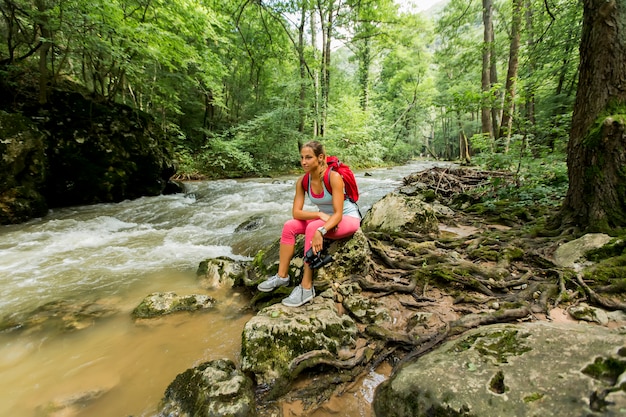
596	154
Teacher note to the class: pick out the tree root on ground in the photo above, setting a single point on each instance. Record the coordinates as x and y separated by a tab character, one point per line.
596	298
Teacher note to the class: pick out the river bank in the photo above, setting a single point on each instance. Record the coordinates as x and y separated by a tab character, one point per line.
117	254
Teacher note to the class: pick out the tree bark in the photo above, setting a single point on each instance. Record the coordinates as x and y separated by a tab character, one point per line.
511	75
487	127
596	152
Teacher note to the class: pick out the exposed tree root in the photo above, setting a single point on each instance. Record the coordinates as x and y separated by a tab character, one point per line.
598	299
491	276
471	321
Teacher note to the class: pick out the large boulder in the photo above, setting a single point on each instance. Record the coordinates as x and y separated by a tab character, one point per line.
211	389
277	336
101	152
397	212
535	369
22	169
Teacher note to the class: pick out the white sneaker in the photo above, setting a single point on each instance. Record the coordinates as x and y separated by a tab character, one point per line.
299	296
272	283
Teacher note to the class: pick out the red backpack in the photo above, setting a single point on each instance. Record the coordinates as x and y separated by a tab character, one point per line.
351	189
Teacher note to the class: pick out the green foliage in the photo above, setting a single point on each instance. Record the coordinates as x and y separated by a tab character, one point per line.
237	89
220	156
535	182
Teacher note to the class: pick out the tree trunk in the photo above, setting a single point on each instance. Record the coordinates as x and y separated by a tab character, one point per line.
530	90
511	75
487	127
327	22
303	79
596	152
365	59
43	52
316	80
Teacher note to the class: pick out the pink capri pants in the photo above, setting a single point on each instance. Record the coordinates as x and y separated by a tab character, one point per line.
346	227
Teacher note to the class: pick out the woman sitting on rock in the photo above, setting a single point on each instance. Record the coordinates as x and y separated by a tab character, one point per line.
336	218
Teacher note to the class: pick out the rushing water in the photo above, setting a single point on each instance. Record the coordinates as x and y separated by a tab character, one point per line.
116	254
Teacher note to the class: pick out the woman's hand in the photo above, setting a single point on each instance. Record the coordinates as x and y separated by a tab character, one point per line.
318	242
323	216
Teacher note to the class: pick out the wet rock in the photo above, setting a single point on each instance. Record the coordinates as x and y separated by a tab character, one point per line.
571	252
278	335
71	405
513	370
251	224
222	271
163	303
215	388
63	315
398	212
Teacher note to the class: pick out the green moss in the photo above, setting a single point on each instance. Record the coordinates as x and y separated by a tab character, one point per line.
535	396
497	383
606	369
485	253
514	254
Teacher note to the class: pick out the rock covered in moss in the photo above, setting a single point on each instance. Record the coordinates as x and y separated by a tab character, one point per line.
535	369
162	303
222	271
278	335
22	169
212	389
350	257
573	251
397	212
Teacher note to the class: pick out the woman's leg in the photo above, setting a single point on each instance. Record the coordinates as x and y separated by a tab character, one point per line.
291	229
346	227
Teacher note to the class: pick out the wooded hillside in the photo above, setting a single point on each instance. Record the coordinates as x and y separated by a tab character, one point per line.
238	84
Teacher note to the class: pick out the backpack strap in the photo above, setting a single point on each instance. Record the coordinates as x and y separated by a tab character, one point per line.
327	180
305	182
307	178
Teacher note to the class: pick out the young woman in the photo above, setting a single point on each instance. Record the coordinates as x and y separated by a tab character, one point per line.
336	218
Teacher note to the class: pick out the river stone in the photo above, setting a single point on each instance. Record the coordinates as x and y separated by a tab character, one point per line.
161	303
535	369
401	213
222	271
212	389
569	253
62	315
278	334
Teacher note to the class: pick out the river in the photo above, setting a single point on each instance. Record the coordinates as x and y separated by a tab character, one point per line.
115	255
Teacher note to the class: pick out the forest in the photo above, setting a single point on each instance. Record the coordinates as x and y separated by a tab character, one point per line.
237	85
